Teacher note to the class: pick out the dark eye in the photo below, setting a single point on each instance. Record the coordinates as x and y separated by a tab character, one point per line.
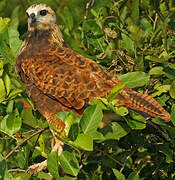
43	12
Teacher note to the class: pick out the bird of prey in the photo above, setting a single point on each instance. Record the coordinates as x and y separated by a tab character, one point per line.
58	79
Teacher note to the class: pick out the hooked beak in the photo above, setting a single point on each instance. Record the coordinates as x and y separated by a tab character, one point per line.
32	19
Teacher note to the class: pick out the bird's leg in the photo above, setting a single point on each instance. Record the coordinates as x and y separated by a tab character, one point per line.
58	144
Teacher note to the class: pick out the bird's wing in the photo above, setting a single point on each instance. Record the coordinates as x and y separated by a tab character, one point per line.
68	77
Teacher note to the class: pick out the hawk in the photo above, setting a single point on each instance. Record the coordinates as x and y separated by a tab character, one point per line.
58	79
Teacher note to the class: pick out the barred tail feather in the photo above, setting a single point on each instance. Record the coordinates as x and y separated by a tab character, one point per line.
142	102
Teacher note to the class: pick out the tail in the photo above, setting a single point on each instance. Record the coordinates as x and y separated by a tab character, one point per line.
142	102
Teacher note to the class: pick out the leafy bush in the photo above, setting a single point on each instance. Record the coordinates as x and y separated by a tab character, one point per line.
133	38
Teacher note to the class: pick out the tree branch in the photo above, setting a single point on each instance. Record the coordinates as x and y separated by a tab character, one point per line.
25	140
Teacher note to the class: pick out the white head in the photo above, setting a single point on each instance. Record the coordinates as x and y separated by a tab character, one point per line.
41	17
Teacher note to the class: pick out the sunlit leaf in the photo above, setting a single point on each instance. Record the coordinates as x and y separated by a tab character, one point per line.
91	118
118	174
158	70
14	93
12	122
10	106
134	79
69	163
133	176
161	89
2	90
7	82
115	91
156	59
1	67
52	164
122	111
84	142
44	176
3	24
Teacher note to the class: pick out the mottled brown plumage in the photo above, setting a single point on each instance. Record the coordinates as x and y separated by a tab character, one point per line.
58	79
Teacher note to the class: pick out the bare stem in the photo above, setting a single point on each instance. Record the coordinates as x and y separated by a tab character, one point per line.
20	144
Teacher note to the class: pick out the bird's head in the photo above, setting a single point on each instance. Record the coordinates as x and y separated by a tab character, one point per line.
40	17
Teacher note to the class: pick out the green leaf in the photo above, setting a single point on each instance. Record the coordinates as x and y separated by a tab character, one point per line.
14	41
127	43
14	93
161	89
173	114
2	90
6	52
2	167
115	91
162	99
118	174
135	12
97	136
156	59
138	121
158	70
1	67
169	72
3	24
52	164
44	176
69	163
84	141
172	90
8	176
68	18
67	178
91	25
116	131
68	118
165	149
74	131
134	124
10	106
7	82
134	79
21	159
99	102
12	122
133	176
159	121
22	176
122	111
91	119
28	117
